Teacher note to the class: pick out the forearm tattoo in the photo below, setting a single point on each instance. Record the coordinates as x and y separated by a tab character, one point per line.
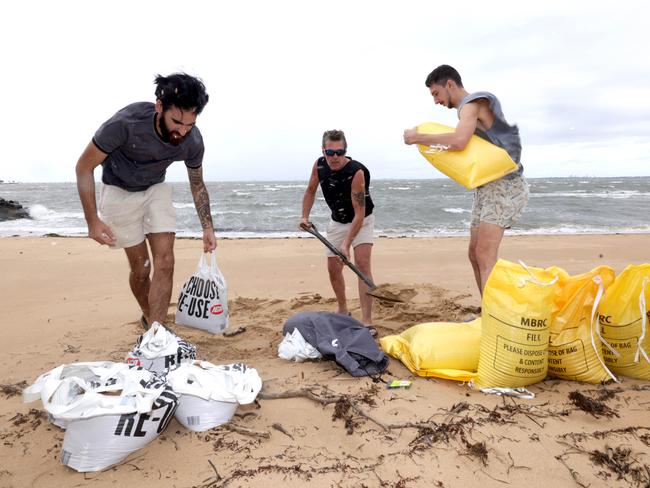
360	198
201	198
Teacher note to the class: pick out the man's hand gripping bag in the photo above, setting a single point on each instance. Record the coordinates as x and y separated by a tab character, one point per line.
203	301
624	316
575	351
516	316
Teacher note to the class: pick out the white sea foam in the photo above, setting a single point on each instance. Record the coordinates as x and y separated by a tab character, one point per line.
40	212
456	210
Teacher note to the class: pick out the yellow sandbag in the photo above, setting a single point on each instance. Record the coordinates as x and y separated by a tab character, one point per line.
516	315
479	163
624	314
441	349
575	348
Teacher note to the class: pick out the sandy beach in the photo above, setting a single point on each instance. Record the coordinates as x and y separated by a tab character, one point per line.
66	300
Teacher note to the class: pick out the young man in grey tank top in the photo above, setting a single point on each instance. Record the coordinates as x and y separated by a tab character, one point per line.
498	204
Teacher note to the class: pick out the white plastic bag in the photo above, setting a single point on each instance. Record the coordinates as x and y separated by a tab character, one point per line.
294	347
160	350
203	300
211	394
81	390
109	410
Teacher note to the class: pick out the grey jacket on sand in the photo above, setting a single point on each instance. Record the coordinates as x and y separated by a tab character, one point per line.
341	338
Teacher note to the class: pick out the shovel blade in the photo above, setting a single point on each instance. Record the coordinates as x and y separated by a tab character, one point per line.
383	295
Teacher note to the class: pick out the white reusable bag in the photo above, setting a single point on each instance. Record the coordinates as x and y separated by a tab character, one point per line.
109	410
159	350
203	300
211	394
294	347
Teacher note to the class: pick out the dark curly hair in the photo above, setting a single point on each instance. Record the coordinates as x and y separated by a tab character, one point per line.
181	90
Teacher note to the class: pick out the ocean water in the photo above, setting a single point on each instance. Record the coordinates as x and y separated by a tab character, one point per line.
416	208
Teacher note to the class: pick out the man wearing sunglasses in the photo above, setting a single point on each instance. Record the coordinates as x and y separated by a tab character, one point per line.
499	204
135	147
345	185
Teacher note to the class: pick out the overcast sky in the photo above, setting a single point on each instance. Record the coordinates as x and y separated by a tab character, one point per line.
575	77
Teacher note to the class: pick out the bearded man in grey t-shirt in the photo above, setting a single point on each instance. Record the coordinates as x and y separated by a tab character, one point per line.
135	147
499	204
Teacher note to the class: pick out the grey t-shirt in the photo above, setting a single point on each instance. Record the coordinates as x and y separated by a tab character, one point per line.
137	157
501	133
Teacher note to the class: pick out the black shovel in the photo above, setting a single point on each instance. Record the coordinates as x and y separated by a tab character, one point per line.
373	291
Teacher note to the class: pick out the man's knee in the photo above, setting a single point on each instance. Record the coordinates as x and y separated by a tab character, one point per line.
362	257
334	267
471	254
140	268
363	265
485	254
164	263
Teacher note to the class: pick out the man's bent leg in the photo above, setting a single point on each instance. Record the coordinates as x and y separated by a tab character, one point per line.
335	270
362	254
487	249
140	265
160	291
471	253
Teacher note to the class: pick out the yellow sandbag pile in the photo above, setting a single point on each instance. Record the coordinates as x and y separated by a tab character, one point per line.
536	322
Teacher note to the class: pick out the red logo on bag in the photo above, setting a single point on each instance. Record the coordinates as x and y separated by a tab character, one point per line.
133	361
216	309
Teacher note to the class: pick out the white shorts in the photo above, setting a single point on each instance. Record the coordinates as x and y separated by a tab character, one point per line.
133	215
336	233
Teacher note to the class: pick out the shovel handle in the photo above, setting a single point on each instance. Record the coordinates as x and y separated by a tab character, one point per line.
314	231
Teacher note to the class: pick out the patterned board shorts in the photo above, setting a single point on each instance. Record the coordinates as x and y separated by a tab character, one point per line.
500	202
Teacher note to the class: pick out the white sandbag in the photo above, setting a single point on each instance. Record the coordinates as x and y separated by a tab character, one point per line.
94	444
160	350
109	410
199	415
211	394
203	300
294	347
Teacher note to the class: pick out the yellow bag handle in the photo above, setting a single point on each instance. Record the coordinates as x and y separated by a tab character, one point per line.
642	307
532	278
601	288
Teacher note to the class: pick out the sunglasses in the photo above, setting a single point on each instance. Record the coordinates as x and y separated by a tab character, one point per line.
332	152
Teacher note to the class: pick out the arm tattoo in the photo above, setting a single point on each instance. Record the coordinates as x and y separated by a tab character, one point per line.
201	197
360	198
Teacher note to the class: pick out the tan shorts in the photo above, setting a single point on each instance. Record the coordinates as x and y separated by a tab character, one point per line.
336	233
133	215
500	202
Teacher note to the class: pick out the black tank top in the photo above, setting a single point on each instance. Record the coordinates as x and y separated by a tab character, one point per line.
337	189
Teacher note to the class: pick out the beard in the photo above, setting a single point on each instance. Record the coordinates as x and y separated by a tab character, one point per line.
171	137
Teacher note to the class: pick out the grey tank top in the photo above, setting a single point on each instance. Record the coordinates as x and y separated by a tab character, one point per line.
501	133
